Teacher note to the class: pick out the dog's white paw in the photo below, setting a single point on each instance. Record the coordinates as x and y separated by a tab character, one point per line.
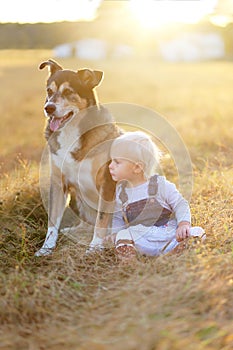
95	246
44	252
91	250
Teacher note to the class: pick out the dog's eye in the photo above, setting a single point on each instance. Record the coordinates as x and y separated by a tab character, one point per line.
67	92
49	92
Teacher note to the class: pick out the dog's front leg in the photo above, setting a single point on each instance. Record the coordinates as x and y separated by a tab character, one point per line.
105	210
56	206
100	231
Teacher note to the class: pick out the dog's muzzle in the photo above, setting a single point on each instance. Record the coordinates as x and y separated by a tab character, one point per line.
55	122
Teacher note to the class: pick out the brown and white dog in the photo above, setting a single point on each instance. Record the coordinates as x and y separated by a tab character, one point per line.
79	134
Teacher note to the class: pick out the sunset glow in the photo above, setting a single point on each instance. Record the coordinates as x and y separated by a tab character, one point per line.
155	14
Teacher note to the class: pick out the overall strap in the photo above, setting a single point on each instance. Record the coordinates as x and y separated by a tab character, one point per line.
123	195
153	185
152	189
124	199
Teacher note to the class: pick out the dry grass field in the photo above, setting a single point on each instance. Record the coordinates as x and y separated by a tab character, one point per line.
76	302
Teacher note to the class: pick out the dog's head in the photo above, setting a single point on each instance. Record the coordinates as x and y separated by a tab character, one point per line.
68	92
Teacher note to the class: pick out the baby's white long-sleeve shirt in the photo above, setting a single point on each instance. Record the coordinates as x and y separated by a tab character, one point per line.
167	195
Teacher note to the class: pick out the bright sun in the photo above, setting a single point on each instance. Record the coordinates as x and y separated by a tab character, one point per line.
157	13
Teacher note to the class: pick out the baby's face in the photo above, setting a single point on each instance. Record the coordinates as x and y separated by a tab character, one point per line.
122	169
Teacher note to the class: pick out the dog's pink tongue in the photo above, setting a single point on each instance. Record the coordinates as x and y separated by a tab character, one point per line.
55	123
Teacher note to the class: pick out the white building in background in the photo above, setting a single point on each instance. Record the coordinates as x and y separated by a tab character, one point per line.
63	51
190	47
186	47
86	49
92	49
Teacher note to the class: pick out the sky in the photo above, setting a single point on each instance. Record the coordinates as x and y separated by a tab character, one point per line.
31	11
149	13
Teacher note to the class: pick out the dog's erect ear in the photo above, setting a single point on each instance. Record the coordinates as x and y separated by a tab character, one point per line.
52	65
90	78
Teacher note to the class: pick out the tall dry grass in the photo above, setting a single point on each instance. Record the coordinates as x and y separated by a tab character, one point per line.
73	301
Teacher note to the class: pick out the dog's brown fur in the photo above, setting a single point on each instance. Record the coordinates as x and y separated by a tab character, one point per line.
79	134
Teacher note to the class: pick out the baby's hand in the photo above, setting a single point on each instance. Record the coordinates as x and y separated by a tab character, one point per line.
183	231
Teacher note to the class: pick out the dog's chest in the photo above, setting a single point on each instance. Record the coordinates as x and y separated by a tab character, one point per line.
68	140
75	172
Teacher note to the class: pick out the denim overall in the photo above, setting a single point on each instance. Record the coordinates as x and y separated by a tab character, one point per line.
148	211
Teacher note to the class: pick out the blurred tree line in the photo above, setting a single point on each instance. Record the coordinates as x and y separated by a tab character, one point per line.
48	35
39	35
106	26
